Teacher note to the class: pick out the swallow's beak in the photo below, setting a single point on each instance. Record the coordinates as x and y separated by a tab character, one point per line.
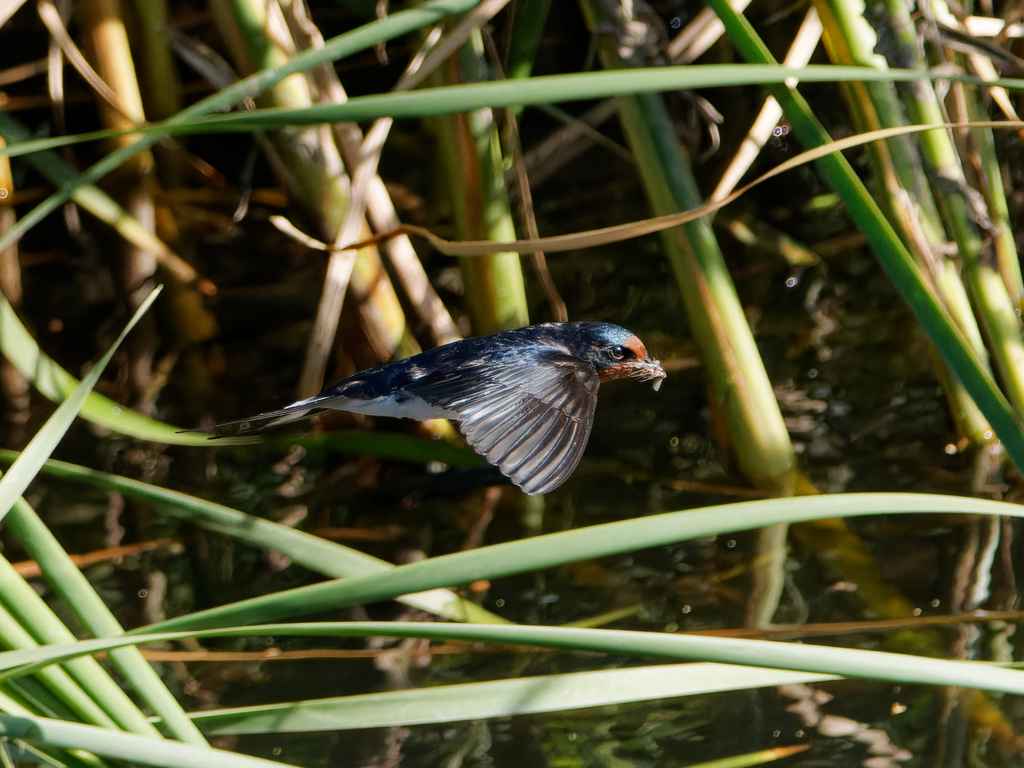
646	370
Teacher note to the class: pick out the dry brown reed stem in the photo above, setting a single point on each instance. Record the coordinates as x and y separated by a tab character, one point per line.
310	163
30	569
10	270
55	81
767	121
342	261
51	18
21	72
435	51
620	232
16	388
367	192
700	34
362	156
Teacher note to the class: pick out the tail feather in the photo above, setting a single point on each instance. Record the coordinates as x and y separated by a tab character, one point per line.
265	421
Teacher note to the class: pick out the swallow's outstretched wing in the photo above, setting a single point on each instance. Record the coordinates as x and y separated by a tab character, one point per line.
532	421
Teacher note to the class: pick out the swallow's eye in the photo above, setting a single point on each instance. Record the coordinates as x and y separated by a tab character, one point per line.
617	352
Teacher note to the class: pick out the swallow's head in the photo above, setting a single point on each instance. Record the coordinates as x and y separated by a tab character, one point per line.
616	353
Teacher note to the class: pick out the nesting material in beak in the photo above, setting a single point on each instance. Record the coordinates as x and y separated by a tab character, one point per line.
649	369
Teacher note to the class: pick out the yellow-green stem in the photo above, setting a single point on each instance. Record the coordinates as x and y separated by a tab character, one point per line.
734	367
495	292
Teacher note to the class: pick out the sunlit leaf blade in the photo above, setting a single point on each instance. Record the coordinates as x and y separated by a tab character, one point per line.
556	549
32	614
68	582
54	383
825	660
500	698
21	473
118	745
447	100
307	550
66	579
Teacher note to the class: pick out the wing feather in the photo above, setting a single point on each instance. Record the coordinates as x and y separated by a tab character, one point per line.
542	435
559	461
535	417
531	421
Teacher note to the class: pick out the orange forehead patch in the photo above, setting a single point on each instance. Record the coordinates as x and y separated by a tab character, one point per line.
634	345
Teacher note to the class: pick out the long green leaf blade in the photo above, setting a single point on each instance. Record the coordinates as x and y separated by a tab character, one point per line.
556	549
548	89
307	550
826	660
21	473
118	745
891	252
499	698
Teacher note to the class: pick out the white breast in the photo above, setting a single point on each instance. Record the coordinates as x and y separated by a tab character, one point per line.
400	405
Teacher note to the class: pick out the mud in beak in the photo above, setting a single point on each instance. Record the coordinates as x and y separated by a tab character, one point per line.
646	370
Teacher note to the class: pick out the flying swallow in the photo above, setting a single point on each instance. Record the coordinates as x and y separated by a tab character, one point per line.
523	399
